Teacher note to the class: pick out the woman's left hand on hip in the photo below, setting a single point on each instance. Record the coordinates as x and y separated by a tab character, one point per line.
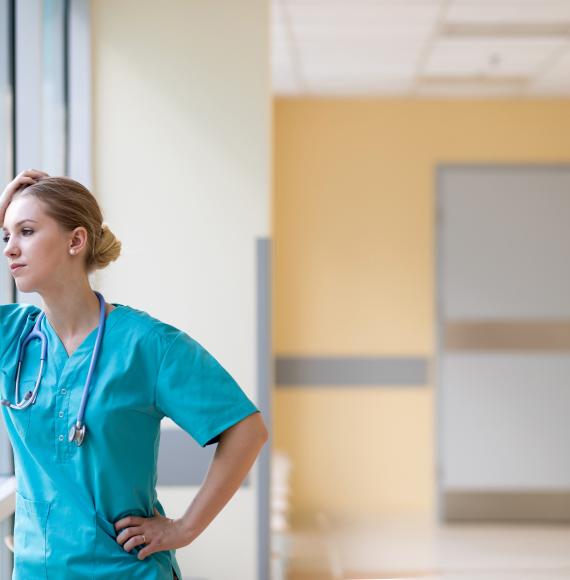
155	534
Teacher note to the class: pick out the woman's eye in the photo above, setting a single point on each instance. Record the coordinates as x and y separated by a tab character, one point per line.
25	232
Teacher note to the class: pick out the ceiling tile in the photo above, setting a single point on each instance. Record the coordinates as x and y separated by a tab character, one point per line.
362	15
399	63
357	86
523	11
489	57
484	4
467	90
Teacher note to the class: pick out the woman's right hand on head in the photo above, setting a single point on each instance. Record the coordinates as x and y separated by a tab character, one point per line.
23	179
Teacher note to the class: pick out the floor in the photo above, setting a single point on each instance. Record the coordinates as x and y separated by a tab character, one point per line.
420	549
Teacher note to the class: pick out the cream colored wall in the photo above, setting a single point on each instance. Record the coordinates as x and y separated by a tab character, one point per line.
182	138
354	187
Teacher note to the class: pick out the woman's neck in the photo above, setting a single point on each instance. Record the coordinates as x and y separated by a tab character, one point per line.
73	311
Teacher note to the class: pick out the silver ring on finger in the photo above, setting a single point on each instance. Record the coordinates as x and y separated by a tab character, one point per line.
144	539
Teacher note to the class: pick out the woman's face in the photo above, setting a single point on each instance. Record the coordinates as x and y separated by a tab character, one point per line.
36	247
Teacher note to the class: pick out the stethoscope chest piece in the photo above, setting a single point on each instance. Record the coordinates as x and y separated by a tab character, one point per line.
76	434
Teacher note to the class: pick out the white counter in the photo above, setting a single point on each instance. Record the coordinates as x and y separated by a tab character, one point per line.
7	497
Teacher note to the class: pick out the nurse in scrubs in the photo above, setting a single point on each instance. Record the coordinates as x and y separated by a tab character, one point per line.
88	509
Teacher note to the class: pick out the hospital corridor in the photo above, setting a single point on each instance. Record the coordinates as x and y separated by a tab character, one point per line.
285	290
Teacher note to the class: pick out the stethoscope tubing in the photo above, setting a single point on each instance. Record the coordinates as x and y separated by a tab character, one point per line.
94	357
77	431
30	397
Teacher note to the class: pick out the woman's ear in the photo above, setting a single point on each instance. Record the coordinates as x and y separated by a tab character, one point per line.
78	241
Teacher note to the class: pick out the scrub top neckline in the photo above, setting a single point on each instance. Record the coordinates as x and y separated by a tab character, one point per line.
60	346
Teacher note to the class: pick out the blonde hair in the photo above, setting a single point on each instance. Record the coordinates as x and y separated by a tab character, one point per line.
72	205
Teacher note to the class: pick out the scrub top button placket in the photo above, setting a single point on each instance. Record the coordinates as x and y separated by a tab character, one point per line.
63	448
62	403
72	377
61	408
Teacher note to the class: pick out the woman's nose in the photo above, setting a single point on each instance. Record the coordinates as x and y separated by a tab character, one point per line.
11	250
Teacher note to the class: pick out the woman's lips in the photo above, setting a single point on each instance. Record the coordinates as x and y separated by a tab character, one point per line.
16	267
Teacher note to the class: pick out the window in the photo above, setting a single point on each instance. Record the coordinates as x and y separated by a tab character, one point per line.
45	108
6	165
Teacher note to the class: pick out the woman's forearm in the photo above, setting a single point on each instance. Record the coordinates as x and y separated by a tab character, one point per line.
236	452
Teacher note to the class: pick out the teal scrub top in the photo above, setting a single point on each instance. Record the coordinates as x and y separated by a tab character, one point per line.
68	497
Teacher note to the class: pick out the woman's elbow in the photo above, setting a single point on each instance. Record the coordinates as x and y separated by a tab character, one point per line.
261	429
252	429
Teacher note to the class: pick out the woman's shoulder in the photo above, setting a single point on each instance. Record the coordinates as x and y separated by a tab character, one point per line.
142	324
14	313
14	319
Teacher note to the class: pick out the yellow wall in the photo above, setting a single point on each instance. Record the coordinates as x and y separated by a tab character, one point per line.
355	272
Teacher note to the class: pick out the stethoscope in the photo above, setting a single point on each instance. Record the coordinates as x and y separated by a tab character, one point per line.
77	431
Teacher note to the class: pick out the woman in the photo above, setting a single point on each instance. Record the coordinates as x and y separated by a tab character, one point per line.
86	438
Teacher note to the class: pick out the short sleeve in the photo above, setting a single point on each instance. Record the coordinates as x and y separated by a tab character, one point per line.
197	393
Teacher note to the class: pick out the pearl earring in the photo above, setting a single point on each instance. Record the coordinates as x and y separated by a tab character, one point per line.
72	252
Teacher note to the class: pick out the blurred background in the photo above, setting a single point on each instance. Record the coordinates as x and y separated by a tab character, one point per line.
362	209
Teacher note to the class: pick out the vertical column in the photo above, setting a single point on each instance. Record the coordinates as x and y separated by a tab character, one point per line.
79	138
264	385
28	86
6	168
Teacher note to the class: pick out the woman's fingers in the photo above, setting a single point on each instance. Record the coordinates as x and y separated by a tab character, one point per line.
147	551
34	173
22	180
129	522
130	538
138	540
29	176
152	534
127	533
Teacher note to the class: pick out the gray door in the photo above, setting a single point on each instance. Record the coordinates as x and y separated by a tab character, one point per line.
503	380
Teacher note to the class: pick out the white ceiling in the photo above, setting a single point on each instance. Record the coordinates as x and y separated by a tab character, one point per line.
421	47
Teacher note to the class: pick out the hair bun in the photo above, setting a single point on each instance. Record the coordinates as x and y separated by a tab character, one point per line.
107	248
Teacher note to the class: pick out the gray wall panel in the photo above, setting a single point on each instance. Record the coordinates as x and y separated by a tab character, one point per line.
181	461
264	390
350	371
